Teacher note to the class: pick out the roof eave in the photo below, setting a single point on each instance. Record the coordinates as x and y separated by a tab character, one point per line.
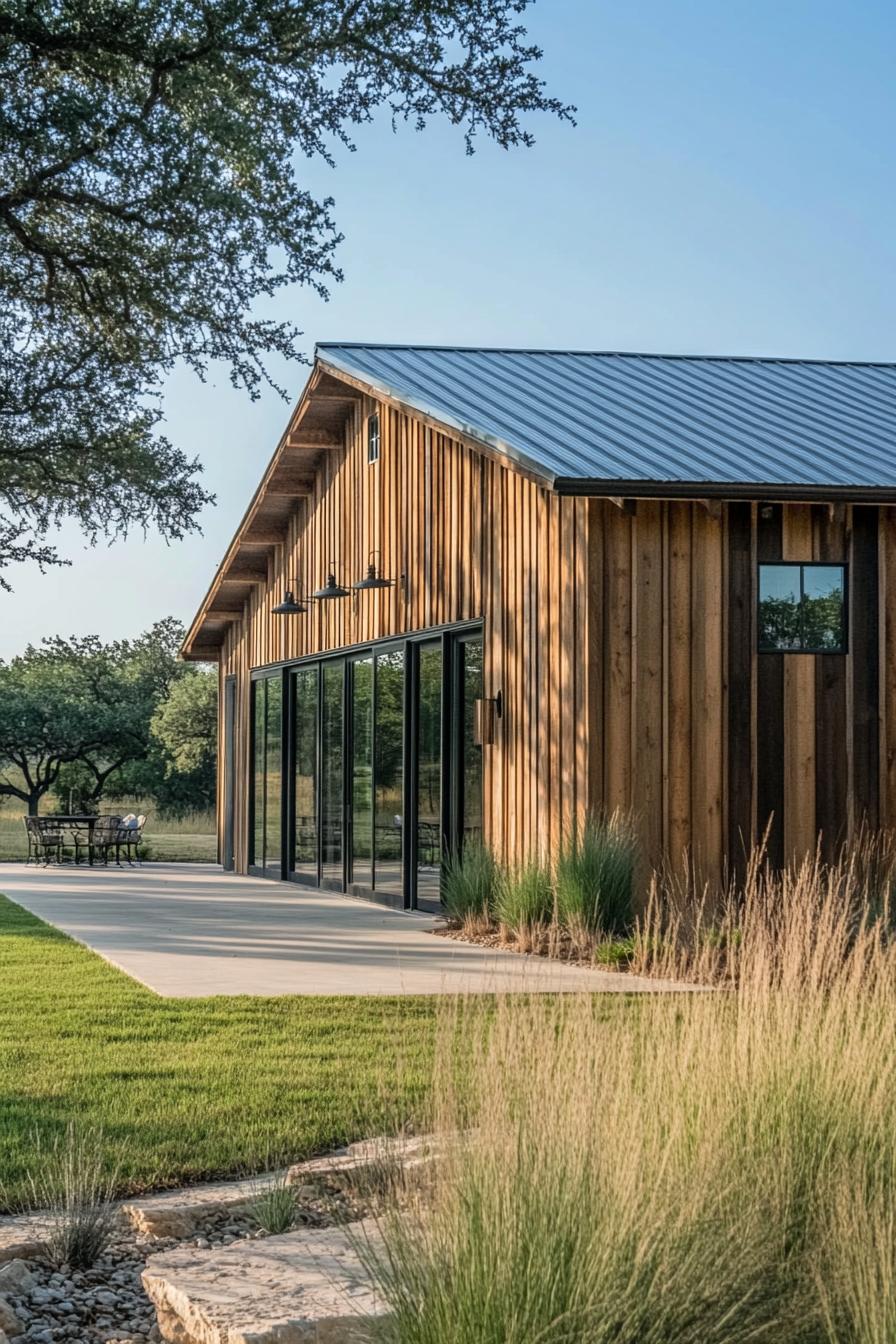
760	491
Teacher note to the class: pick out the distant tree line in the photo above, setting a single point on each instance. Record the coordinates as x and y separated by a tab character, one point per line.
87	720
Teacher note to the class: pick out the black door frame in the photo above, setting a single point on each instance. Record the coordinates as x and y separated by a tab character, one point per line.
452	639
227	857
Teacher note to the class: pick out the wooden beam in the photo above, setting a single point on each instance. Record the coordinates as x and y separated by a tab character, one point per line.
628	506
204	653
315	438
225	614
262	536
283	491
243	580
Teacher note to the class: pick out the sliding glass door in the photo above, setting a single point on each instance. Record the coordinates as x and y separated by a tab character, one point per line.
388	758
267	738
305	692
332	775
361	815
430	823
385	773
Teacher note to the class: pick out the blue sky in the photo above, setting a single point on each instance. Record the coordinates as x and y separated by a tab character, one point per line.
729	188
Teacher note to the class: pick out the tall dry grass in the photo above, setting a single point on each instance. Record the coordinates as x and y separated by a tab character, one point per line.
701	1168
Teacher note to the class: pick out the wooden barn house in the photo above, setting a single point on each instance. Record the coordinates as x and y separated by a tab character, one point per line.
486	592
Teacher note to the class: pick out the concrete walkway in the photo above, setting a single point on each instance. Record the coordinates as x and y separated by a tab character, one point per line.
189	930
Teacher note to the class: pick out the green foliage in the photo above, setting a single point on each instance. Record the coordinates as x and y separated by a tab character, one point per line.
616	952
469	883
273	1209
524	897
187	1089
594	876
150	208
76	716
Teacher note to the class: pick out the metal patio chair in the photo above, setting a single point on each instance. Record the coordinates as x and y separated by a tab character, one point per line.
44	839
105	837
130	837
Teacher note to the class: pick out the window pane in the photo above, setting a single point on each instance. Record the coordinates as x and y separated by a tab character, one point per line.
272	860
779	607
258	766
389	769
471	650
362	771
429	775
823	607
306	772
331	805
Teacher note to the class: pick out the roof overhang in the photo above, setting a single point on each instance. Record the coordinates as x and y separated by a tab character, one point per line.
315	427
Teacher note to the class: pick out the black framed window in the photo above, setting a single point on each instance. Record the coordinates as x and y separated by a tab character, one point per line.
373	438
802	608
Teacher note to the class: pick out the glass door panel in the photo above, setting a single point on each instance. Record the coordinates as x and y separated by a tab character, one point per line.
273	776
471	750
362	771
332	808
258	773
265	827
429	774
305	696
389	770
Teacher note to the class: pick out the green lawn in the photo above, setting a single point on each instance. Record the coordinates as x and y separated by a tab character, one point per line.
186	1089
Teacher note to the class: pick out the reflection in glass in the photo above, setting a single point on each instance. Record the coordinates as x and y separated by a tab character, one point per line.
823	607
362	771
305	691
802	608
779	607
331	770
429	774
471	652
273	717
388	770
258	766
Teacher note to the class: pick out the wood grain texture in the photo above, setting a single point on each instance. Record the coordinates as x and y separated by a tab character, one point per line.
622	640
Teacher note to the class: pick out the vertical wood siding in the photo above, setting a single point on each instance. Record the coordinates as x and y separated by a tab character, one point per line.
468	539
622	639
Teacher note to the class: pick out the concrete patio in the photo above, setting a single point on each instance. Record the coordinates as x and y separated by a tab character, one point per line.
189	930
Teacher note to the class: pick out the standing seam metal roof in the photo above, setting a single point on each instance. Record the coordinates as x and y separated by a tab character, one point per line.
604	417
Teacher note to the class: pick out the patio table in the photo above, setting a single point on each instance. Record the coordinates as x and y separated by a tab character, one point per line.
79	822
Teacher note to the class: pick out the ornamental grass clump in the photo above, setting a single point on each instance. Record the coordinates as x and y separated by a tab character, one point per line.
705	1167
273	1208
524	903
73	1184
469	882
594	876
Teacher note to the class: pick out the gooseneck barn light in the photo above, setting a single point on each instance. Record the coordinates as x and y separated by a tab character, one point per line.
290	606
373	578
331	588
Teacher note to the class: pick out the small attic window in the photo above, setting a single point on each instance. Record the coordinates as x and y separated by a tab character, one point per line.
373	438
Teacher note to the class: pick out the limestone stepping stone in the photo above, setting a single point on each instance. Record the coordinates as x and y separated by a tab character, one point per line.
23	1237
178	1213
302	1286
370	1158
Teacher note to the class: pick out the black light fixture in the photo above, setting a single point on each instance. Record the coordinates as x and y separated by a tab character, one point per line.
331	588
290	606
373	579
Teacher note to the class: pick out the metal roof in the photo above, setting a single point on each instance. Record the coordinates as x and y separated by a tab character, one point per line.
587	417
